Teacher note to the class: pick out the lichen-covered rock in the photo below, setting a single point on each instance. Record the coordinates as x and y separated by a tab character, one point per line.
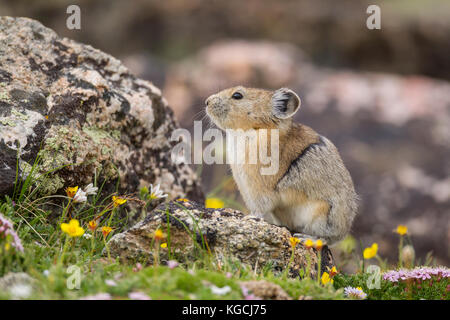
16	285
265	290
84	114
225	233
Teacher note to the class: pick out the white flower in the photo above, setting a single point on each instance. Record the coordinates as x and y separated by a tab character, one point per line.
110	282
172	264
98	296
220	291
46	273
87	236
355	293
90	189
80	196
138	296
155	193
20	291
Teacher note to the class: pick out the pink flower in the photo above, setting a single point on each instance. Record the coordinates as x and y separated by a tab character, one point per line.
98	296
247	295
138	267
172	264
138	296
420	273
6	228
110	282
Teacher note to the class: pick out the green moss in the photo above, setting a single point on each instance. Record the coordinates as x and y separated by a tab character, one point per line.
96	134
76	150
19	115
51	184
5	96
25	167
8	122
105	150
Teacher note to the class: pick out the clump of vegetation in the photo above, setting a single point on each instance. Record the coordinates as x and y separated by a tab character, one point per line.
61	241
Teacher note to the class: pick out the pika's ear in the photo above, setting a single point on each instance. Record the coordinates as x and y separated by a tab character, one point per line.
285	103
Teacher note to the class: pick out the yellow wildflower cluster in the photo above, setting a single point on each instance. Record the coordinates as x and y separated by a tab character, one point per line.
214	203
294	241
401	230
106	231
117	201
72	228
371	251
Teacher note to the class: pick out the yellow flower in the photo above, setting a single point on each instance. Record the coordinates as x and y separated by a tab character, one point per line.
106	231
118	201
72	228
333	272
370	252
159	235
163	245
308	243
326	278
92	225
71	191
214	203
183	200
318	244
402	230
294	241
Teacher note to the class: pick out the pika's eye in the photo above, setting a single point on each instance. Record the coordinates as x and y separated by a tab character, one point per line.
237	95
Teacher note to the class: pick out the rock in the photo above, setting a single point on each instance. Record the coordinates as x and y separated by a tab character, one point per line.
226	233
85	115
392	132
266	290
17	285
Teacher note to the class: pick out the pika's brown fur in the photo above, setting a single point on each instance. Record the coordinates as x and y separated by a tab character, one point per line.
312	192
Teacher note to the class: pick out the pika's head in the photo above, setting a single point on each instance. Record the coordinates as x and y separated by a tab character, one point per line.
250	108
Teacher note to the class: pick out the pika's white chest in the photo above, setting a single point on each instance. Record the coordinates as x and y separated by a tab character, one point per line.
257	195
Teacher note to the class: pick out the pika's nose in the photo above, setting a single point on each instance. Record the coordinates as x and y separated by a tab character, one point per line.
210	100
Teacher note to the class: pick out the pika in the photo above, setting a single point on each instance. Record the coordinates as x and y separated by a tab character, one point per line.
312	193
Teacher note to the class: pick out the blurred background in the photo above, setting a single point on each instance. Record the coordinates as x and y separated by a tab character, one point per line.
382	96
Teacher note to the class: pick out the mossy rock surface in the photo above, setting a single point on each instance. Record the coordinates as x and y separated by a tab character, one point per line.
84	114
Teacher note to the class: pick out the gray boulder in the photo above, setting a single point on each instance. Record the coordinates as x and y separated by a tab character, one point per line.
84	114
225	233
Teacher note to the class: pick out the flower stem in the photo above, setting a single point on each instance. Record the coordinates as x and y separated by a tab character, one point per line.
400	247
291	259
64	213
61	258
319	267
308	263
92	251
107	248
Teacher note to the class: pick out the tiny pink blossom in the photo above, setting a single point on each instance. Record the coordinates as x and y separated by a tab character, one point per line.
98	296
138	267
138	296
110	282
